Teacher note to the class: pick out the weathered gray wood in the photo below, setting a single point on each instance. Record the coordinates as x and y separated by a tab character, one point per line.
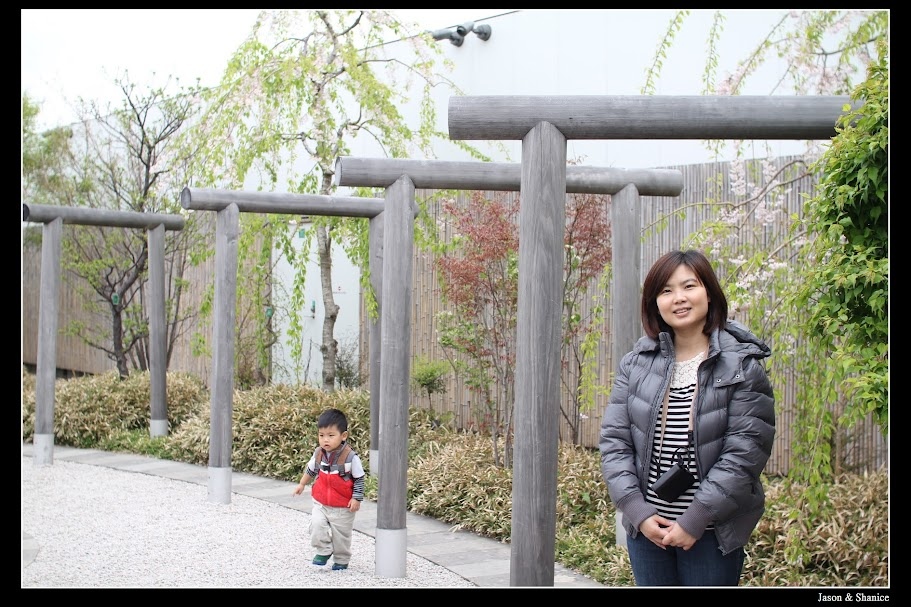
625	279
158	333
374	336
43	213
47	342
54	217
200	199
385	172
868	452
542	225
222	391
626	288
500	176
395	397
647	116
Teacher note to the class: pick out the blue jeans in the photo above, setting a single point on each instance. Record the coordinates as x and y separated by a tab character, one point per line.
701	565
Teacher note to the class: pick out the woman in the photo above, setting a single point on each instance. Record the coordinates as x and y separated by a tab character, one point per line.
692	390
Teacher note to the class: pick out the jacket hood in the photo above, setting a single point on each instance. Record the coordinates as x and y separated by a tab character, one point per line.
746	340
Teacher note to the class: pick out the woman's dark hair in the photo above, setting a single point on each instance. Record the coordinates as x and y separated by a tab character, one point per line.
658	276
333	417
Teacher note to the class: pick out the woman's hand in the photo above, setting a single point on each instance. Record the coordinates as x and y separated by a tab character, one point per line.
655	528
676	536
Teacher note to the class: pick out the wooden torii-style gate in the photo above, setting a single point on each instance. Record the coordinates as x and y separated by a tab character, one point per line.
391	243
390	403
544	124
53	218
228	204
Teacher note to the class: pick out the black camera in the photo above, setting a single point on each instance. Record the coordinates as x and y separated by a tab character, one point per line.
675	480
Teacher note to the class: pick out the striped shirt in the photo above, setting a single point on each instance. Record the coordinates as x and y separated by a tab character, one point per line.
679	407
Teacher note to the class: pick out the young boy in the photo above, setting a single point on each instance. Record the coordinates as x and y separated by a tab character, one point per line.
337	493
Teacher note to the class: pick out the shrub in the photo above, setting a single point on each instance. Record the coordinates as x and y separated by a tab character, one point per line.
28	404
847	547
428	376
274	429
92	408
448	482
348	364
451	478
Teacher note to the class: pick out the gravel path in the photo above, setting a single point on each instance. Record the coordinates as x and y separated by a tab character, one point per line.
98	527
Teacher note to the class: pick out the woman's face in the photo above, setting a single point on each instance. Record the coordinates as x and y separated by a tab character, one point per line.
683	302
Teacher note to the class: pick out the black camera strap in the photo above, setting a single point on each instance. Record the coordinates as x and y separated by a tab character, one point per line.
689	432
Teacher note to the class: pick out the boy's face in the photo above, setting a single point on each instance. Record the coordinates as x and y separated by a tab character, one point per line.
330	438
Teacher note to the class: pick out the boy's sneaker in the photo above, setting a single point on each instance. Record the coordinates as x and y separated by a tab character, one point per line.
321	559
339	566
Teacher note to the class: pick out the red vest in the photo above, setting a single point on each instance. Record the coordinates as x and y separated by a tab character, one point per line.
334	484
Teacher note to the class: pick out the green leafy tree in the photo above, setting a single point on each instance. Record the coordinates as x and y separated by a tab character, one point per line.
116	160
45	156
302	85
823	52
845	290
814	284
429	376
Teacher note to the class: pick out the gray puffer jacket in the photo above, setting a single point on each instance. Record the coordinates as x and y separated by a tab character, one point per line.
734	428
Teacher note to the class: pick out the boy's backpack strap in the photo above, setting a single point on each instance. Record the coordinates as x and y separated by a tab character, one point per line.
345	456
343	462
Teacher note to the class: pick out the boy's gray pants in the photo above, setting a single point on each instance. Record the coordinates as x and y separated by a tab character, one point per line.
330	532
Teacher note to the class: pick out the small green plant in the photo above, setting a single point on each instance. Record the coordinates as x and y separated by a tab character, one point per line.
427	376
136	441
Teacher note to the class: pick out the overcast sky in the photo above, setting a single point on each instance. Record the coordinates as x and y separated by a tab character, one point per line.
72	53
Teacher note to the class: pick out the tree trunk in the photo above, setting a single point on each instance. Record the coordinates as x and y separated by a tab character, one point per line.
329	347
120	357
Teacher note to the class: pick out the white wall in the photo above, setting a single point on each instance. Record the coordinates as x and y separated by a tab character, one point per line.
563	52
599	52
346	287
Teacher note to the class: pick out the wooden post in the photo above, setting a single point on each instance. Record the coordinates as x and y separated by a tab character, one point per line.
648	116
374	338
626	286
43	439
398	253
158	334
542	225
222	391
53	217
228	203
626	282
502	176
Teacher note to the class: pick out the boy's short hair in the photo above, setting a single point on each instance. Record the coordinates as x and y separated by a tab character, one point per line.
333	417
